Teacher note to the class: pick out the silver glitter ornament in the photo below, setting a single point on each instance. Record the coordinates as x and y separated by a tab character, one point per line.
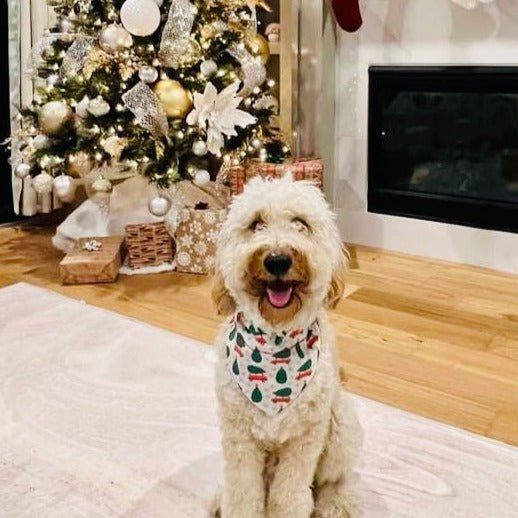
42	183
114	38
159	205
41	142
199	148
208	67
77	55
65	188
98	107
148	74
201	178
22	170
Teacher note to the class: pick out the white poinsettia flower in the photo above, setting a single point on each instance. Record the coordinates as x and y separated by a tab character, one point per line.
218	114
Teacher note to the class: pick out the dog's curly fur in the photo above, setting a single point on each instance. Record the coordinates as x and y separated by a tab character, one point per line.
296	463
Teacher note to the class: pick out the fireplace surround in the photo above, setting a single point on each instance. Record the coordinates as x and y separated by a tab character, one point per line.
443	144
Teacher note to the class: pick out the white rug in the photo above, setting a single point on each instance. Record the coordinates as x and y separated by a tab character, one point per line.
103	416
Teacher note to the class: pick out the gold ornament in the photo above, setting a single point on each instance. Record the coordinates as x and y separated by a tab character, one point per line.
175	99
258	46
54	117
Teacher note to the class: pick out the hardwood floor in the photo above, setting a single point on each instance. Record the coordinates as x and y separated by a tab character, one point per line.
437	339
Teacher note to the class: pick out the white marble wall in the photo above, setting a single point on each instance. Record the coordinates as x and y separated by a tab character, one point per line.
414	32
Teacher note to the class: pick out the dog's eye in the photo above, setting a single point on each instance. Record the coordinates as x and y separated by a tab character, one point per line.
300	225
257	225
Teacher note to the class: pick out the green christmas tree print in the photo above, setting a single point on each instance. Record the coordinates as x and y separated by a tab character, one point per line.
257	395
256	356
281	376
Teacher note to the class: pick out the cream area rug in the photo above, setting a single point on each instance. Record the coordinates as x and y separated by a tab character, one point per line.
103	416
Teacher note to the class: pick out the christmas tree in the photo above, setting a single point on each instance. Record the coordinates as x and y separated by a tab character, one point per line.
171	89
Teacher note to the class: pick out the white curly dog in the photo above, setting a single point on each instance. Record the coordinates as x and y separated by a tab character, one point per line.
288	434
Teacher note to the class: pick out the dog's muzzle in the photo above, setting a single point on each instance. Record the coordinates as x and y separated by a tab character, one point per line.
278	291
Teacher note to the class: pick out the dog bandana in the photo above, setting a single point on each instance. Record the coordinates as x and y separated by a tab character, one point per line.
272	370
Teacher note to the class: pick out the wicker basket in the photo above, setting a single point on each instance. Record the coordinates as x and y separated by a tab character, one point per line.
148	244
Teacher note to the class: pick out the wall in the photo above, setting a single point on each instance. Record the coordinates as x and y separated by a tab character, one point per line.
414	32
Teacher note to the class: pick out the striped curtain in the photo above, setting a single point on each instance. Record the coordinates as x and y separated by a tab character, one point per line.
27	20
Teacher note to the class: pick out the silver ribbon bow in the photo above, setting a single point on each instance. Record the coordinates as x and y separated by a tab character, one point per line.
146	107
254	72
177	48
77	55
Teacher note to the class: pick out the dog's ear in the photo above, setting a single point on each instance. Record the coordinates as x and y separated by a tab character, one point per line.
337	286
223	301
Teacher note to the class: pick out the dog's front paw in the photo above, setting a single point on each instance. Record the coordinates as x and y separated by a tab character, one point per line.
291	505
333	501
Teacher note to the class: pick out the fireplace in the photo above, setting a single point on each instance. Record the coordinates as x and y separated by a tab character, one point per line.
443	144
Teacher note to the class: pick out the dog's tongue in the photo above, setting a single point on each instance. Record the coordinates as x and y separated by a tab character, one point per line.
279	296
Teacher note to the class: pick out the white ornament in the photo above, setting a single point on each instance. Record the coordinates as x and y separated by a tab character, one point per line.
41	141
66	25
217	113
257	143
208	68
114	38
53	79
22	170
42	183
199	148
98	107
201	178
159	2
159	205
102	185
82	107
148	74
65	188
140	17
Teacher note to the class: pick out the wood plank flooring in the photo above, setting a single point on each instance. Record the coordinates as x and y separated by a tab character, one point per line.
437	339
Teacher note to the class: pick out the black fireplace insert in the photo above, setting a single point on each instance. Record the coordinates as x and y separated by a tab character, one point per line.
443	144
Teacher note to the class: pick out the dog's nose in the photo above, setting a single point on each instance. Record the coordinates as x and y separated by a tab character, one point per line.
277	264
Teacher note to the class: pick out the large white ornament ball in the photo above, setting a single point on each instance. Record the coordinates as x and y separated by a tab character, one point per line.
148	74
114	38
22	170
41	142
140	17
54	116
208	68
199	148
65	188
42	183
102	185
98	107
159	205
201	178
159	2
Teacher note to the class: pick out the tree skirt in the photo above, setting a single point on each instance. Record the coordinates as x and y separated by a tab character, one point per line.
101	415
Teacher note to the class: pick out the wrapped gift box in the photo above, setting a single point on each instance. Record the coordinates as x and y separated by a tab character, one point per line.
149	244
308	169
92	260
196	238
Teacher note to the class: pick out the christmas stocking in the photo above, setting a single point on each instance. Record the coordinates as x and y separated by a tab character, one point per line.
348	14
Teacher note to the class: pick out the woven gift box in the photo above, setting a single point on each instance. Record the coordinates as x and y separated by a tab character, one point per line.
307	169
92	260
149	244
196	238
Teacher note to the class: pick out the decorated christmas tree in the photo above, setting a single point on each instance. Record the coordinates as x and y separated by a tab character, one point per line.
170	89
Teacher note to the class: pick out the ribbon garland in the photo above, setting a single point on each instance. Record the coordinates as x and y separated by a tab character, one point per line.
177	48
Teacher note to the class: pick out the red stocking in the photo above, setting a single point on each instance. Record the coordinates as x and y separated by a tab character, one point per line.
348	14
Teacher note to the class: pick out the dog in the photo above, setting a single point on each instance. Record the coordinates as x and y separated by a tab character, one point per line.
288	434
